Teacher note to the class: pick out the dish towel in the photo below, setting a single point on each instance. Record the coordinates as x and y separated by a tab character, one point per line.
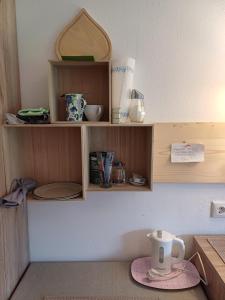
18	192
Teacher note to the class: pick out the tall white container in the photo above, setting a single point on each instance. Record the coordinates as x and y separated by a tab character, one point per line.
122	84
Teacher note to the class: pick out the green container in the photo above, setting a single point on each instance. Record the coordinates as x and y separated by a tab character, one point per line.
78	58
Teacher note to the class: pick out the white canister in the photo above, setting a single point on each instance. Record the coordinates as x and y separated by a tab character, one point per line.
122	84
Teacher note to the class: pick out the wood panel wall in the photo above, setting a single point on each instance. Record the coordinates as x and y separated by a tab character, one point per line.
9	71
9	67
14	248
14	254
212	135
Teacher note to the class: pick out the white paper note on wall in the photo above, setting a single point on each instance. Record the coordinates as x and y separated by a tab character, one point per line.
185	153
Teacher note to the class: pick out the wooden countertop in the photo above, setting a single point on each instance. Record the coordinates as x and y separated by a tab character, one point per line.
213	258
214	266
90	279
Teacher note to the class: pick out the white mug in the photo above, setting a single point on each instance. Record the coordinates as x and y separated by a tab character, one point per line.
93	112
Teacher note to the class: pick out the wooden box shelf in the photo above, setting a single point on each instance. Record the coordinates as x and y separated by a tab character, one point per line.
59	151
93	79
43	153
132	145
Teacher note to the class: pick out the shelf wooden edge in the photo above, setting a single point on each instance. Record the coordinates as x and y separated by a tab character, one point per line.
76	124
108	124
74	63
131	125
31	199
50	125
87	123
119	188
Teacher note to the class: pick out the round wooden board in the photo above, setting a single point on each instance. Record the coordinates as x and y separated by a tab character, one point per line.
84	37
59	190
35	197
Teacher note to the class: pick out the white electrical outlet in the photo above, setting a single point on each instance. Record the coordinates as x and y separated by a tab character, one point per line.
218	209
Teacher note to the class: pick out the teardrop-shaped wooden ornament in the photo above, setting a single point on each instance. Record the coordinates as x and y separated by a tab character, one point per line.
84	37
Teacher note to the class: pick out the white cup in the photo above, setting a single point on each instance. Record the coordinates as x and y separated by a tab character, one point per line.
93	112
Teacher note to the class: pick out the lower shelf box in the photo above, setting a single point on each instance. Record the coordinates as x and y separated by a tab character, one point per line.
44	154
131	144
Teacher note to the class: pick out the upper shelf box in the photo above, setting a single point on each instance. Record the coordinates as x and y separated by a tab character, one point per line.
92	79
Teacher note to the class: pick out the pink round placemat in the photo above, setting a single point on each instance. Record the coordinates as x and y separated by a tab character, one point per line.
186	279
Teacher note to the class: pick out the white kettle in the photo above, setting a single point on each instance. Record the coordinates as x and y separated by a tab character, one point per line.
162	245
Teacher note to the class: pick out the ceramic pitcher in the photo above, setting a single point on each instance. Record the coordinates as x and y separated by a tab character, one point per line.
75	105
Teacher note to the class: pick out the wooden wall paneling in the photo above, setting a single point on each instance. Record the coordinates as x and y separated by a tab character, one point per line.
212	170
9	71
14	152
14	253
9	67
2	166
3	289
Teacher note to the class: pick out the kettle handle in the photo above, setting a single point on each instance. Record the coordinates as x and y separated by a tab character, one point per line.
181	248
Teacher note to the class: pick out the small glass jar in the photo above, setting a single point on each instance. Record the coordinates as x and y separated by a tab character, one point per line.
137	110
118	173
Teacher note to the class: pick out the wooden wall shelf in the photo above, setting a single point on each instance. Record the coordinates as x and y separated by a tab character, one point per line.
93	79
212	135
60	152
45	154
132	145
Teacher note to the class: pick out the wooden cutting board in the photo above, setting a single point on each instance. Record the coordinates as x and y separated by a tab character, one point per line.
84	37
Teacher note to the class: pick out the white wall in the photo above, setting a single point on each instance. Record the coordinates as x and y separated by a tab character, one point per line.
179	48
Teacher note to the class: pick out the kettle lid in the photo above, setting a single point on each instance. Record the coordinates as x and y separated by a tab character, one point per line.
163	235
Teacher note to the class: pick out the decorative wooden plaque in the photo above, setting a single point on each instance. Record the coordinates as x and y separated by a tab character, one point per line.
84	37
